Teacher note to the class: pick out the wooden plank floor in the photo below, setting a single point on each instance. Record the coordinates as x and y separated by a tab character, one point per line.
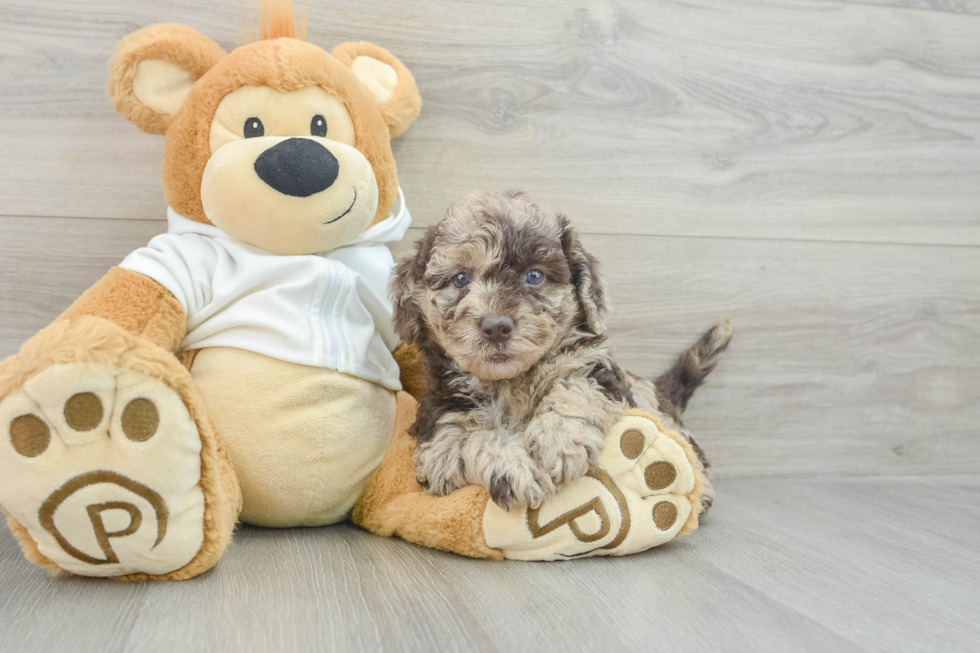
804	119
788	564
808	168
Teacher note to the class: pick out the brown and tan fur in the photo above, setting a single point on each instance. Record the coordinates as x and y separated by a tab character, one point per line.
522	416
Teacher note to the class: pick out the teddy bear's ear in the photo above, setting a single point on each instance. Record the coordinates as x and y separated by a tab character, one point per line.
387	80
154	69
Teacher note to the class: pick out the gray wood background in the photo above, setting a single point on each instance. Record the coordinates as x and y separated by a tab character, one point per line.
808	168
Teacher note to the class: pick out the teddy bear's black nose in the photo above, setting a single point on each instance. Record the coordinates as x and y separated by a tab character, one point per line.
298	167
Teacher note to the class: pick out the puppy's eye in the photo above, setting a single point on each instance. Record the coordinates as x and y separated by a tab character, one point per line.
461	279
253	128
534	278
318	126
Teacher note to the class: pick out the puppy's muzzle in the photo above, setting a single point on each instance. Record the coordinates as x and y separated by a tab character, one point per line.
298	167
497	328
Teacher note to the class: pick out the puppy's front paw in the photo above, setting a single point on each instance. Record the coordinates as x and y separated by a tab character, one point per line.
561	447
519	483
438	470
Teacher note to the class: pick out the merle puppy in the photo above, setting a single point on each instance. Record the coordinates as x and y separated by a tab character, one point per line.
508	312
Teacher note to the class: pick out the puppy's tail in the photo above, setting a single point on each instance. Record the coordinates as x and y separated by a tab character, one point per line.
679	382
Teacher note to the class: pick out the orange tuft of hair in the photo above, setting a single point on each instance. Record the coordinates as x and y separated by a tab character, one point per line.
277	19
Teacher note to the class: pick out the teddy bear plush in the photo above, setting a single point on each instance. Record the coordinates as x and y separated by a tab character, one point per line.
243	366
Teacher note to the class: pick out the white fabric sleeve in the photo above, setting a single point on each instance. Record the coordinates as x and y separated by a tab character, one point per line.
183	263
373	264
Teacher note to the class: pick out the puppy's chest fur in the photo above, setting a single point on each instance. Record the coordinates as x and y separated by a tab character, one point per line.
505	405
508	406
459	400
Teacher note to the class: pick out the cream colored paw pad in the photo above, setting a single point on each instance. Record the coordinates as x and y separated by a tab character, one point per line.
636	499
102	466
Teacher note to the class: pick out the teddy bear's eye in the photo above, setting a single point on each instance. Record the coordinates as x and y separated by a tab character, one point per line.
253	128
318	126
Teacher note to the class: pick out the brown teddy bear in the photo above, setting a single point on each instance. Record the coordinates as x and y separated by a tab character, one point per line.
240	366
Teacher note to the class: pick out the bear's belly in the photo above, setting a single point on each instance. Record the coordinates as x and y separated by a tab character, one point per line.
303	440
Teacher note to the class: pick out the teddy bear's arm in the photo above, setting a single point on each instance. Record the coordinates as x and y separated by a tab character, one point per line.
135	302
412	374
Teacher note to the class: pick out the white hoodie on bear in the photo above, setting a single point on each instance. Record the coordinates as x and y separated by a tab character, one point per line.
324	310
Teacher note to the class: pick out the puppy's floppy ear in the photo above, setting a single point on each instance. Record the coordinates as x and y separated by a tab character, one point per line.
409	324
586	278
154	69
386	79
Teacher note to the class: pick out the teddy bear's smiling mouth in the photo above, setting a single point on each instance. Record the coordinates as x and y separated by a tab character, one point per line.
353	202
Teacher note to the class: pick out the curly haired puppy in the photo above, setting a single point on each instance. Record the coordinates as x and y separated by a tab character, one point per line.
508	312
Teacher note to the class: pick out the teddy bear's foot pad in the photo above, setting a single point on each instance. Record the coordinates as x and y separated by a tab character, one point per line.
641	495
102	466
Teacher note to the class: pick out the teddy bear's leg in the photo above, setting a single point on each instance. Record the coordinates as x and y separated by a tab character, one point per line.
393	503
109	462
645	492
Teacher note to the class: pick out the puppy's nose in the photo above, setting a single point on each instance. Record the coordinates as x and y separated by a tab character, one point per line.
298	166
497	328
